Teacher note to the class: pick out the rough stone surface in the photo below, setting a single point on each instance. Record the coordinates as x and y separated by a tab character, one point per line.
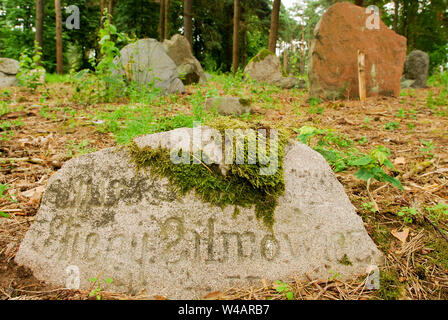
100	214
9	66
269	70
416	67
179	49
228	106
8	71
7	80
146	61
333	62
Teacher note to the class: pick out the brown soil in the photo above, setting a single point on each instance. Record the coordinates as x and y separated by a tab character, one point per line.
416	269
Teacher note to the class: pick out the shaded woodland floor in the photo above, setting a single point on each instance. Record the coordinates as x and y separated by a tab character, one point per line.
40	131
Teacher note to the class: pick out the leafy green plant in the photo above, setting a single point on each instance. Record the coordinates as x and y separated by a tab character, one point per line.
4	215
106	83
30	71
75	149
371	166
368	207
427	148
392	125
408	214
334	275
96	292
339	152
3	189
282	287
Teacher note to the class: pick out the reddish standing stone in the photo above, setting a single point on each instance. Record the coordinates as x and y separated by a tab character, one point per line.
333	67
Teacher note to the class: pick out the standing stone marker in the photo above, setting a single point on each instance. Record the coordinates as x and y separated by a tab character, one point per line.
100	214
416	67
179	49
343	30
8	71
266	67
145	62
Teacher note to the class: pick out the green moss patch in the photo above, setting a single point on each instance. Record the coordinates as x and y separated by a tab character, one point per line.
242	186
261	55
390	286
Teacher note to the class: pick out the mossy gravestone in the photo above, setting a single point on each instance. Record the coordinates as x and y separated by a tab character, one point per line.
100	215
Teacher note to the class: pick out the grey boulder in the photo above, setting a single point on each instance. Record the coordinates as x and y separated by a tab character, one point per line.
8	71
266	67
416	67
99	215
145	62
179	49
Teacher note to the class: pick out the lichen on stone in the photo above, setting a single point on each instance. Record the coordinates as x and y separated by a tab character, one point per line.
261	55
242	185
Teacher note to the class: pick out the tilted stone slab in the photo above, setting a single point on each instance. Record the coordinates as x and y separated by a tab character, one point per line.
100	214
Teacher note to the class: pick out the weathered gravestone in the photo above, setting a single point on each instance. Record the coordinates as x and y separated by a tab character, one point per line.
179	49
416	67
146	62
8	71
266	67
102	216
343	30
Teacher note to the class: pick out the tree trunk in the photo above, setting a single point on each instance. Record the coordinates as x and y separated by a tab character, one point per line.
359	3
244	45
39	36
162	20
236	37
59	57
285	59
188	21
166	20
396	7
274	26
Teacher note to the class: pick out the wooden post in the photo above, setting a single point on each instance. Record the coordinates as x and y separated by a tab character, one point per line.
361	75
59	56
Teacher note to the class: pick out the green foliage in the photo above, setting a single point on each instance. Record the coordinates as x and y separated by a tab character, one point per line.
77	149
3	189
282	287
30	72
438	211
392	125
96	292
340	154
106	83
368	207
407	214
427	149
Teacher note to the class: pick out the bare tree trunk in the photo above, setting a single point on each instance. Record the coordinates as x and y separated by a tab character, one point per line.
59	57
285	59
244	45
162	20
274	26
188	21
110	6
236	35
396	7
39	36
166	20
